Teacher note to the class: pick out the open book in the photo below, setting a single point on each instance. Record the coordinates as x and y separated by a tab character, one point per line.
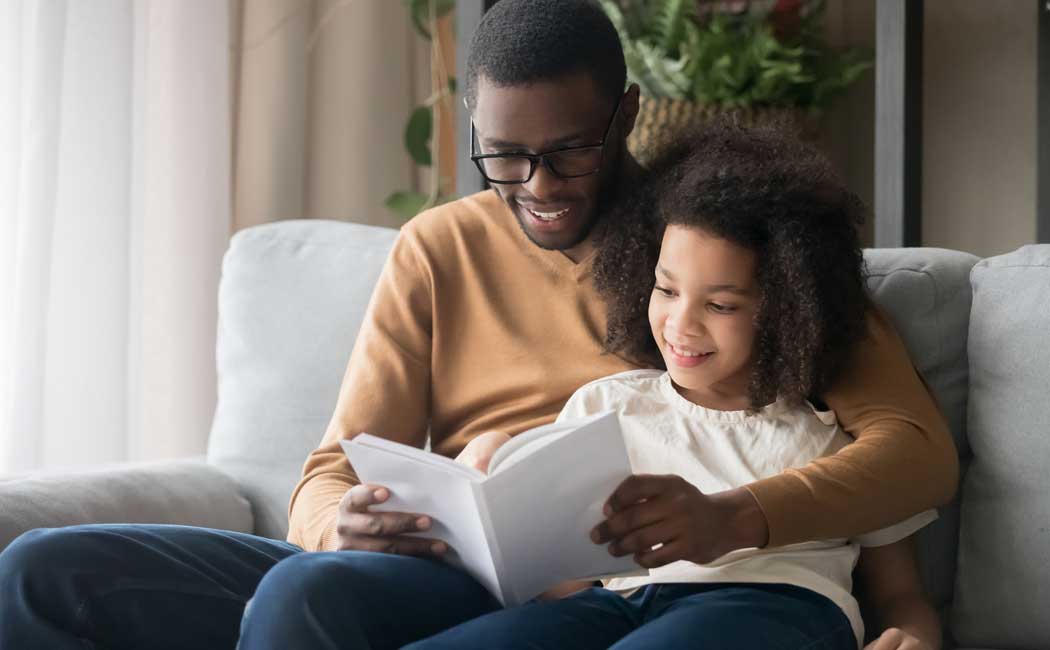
525	526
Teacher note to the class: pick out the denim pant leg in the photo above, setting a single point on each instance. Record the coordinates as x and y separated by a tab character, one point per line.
130	586
354	600
592	619
741	617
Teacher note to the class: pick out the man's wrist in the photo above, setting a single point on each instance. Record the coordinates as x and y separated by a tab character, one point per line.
747	526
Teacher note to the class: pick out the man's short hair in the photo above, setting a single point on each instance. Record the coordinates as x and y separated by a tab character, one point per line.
524	41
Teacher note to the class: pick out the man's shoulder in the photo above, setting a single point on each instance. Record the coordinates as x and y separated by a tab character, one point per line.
465	221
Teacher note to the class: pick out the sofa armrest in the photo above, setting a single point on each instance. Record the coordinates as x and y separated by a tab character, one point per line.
188	492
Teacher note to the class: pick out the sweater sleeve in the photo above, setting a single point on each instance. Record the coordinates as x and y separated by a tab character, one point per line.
902	462
385	391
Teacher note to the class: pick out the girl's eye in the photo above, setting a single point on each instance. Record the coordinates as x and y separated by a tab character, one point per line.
663	291
721	309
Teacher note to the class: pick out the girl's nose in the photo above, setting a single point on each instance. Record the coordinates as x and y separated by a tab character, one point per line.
683	322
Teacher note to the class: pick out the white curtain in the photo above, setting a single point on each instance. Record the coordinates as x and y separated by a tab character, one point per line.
114	214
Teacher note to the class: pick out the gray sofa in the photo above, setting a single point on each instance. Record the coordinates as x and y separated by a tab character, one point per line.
293	294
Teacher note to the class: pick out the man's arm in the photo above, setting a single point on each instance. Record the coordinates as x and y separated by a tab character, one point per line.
903	461
385	392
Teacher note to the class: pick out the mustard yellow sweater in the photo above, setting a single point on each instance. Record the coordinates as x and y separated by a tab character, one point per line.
473	328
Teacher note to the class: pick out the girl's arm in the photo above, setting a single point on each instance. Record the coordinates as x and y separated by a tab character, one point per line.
893	592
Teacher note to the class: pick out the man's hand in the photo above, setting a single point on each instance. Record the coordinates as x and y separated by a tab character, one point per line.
479	451
357	529
897	639
648	510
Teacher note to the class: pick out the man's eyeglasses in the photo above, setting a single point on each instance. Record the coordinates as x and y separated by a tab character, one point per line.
516	168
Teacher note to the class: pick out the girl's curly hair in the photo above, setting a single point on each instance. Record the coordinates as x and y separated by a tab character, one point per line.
764	190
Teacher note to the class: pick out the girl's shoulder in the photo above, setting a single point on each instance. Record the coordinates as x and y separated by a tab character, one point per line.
620	386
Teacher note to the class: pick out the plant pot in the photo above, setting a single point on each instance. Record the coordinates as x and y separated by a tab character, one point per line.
661	120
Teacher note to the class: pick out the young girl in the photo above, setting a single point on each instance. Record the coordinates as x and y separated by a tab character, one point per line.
752	301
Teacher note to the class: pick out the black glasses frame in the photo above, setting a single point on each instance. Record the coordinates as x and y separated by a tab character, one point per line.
537	158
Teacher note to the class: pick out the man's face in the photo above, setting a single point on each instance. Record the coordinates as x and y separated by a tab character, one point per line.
555	213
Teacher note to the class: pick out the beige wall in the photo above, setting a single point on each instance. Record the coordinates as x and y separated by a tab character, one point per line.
979	120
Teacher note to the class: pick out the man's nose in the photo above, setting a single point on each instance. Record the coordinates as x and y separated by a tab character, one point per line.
543	184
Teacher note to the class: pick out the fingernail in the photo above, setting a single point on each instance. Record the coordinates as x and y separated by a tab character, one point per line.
423	523
595	536
607	509
439	547
381	494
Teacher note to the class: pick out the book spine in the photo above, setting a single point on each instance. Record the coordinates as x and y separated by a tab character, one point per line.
506	595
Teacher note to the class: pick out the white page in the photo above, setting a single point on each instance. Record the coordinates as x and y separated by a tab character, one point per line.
543	508
523	444
443	492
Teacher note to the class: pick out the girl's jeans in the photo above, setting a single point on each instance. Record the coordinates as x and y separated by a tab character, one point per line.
670	616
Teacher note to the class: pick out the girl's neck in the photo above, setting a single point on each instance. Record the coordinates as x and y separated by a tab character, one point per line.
715	399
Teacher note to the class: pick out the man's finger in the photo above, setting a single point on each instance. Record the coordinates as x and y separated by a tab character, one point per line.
382	524
643	539
399	545
629	519
359	497
634	489
666	554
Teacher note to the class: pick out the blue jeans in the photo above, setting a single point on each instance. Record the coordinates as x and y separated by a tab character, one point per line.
657	617
167	587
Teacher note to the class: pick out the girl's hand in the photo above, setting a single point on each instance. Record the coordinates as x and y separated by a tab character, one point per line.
479	451
647	510
897	639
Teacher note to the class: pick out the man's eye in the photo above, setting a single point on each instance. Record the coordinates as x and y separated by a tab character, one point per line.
721	309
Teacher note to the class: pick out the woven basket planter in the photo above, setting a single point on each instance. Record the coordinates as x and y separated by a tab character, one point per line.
661	120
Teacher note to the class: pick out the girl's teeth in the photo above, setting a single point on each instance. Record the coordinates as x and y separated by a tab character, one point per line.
684	353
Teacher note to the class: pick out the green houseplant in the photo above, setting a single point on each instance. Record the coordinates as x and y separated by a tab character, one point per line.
420	130
765	60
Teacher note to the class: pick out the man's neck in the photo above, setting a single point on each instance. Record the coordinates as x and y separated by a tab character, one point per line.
630	170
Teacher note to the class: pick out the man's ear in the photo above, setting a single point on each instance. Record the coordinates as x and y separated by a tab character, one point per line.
629	108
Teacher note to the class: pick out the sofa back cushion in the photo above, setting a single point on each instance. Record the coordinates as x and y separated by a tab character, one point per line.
1003	583
292	297
926	294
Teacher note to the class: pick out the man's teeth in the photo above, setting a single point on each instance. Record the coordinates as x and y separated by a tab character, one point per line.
549	216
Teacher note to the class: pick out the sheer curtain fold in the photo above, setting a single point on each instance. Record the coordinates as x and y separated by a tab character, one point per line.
114	212
323	89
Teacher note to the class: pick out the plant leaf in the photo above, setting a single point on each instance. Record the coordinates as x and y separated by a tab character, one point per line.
406	204
417	135
420	12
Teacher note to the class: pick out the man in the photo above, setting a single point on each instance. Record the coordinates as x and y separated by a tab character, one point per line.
483	320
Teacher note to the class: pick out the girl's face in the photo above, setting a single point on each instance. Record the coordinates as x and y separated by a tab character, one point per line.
702	315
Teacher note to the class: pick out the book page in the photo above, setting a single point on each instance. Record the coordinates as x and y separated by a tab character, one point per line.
419	482
527	442
543	507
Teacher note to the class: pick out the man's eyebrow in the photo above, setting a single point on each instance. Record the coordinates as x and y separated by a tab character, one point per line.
547	146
